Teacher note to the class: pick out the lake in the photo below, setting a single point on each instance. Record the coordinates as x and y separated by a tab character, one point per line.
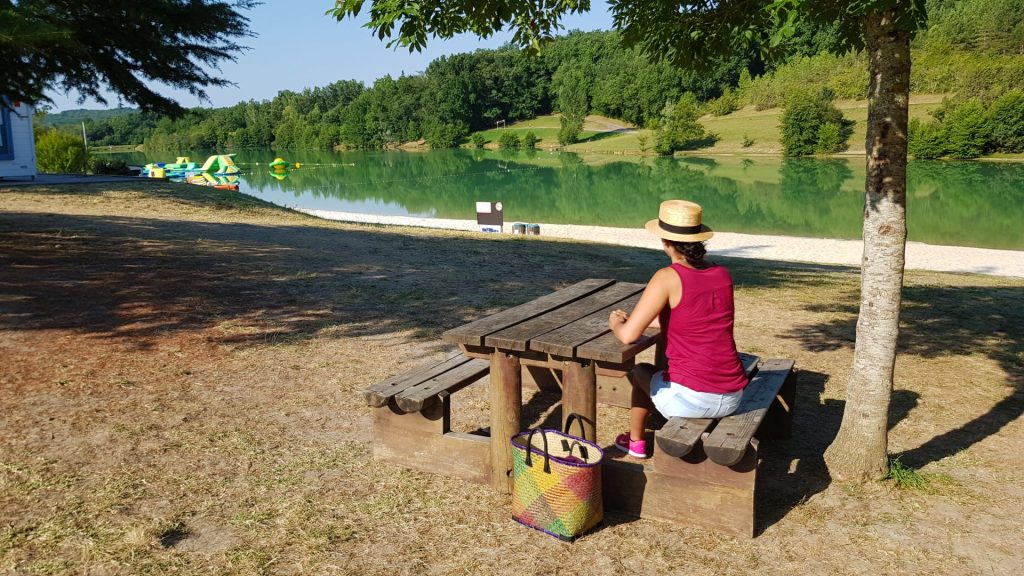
950	203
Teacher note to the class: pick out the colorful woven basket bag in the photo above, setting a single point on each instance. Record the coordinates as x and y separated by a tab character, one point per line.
556	484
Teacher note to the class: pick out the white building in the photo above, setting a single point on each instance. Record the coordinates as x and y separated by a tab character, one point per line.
17	143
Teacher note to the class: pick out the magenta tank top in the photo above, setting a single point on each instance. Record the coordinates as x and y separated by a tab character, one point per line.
698	335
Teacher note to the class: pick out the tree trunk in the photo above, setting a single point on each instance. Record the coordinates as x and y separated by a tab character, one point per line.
859	451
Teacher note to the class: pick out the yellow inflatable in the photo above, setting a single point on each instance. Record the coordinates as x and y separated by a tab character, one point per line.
279	165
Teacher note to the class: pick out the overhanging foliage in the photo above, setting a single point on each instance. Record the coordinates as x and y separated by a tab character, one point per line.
118	45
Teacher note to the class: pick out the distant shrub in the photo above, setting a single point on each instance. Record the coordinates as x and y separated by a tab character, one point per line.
641	140
727	103
743	84
965	73
961	129
107	166
444	134
1006	122
569	130
747	141
679	128
805	121
58	151
983	26
574	86
478	140
508	140
530	140
925	139
965	128
763	100
830	138
843	75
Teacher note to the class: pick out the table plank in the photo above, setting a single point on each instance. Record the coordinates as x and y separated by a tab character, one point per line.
607	348
473	333
563	341
518	337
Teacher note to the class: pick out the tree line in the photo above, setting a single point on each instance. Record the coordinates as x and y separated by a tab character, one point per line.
455	96
592	73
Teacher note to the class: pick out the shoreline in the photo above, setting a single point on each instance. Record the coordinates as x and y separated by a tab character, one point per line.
919	256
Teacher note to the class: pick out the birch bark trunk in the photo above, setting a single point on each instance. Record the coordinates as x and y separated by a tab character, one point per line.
860	450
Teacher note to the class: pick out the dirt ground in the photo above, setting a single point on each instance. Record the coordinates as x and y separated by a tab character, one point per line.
180	377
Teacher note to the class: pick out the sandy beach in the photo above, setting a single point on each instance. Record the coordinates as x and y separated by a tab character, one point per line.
920	256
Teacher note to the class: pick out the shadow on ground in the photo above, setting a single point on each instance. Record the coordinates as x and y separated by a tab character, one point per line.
793	470
139	279
942	321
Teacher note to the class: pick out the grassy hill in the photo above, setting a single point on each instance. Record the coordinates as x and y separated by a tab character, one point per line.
605	135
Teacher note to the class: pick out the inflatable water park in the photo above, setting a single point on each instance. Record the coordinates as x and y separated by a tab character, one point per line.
219	171
219	181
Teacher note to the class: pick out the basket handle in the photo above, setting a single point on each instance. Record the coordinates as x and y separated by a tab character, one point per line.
529	450
574	417
583	449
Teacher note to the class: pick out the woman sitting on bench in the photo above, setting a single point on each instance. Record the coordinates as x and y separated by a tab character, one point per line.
692	301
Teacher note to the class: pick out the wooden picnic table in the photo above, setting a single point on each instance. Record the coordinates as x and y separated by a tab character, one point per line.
702	471
565	331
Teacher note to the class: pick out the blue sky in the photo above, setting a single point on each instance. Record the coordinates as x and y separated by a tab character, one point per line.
298	47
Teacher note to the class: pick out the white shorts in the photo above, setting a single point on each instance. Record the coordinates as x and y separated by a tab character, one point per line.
676	400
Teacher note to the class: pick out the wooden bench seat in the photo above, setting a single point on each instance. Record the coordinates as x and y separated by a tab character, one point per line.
412	420
726	440
704	471
424	386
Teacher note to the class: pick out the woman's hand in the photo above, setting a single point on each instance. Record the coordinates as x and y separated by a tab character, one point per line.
617	318
629	327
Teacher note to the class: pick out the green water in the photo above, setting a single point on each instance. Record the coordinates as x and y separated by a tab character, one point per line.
950	203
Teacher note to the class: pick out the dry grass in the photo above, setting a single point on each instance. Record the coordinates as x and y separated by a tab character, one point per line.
181	374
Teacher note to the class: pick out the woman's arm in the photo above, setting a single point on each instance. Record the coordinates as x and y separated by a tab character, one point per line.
629	327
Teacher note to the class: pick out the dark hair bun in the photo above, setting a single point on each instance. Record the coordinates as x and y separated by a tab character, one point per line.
693	252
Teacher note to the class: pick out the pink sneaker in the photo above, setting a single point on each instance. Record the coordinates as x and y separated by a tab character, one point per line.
635	448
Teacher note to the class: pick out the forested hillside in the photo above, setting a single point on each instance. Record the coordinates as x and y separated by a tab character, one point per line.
69	117
971	49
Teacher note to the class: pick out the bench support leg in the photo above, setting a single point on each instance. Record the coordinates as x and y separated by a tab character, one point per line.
778	422
506	411
579	396
691	491
611	390
424	441
540	378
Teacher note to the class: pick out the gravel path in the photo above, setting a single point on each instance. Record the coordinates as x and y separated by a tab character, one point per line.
786	248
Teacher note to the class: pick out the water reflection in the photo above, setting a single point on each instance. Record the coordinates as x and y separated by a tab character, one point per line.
959	203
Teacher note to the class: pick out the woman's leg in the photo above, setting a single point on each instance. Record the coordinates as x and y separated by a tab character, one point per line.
640	402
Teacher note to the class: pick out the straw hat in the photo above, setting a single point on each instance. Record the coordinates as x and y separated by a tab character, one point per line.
679	220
